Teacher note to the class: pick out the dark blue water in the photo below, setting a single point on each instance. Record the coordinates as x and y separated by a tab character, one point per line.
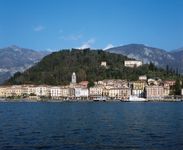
87	125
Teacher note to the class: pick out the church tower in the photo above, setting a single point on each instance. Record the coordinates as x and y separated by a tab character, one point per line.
73	80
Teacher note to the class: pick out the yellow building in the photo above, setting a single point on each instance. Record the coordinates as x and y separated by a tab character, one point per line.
119	93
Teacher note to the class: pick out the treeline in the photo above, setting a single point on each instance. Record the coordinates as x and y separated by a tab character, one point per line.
57	68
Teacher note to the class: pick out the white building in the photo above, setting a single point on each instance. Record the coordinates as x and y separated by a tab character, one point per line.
182	92
42	90
81	92
96	90
104	63
143	78
55	92
133	63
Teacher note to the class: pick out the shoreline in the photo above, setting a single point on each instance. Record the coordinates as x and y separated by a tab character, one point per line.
86	100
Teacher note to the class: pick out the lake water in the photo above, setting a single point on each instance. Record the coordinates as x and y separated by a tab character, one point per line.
91	125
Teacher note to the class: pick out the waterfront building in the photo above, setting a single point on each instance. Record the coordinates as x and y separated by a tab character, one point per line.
133	63
81	92
119	93
96	91
154	92
42	90
55	92
65	92
31	90
113	83
16	90
182	92
3	91
168	87
138	88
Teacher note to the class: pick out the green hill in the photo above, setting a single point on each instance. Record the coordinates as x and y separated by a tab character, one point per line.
57	68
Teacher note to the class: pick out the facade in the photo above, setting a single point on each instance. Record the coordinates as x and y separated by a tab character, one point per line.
96	91
119	93
104	63
3	91
55	92
133	63
42	90
138	88
65	92
81	92
154	92
84	84
182	92
113	82
143	78
168	84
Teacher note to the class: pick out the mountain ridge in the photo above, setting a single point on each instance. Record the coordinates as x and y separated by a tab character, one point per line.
147	54
14	58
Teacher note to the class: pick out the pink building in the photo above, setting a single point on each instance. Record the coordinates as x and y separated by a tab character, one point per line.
154	92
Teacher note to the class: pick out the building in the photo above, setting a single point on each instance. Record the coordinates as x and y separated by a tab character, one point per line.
182	92
73	78
3	91
169	83
96	91
104	63
61	92
138	88
113	83
84	84
154	92
42	90
55	92
81	92
119	93
133	63
143	78
168	87
65	92
16	90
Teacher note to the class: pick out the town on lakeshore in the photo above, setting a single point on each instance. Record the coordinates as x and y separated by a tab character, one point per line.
144	89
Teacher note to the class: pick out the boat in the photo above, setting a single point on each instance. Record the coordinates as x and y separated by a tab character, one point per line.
102	98
134	98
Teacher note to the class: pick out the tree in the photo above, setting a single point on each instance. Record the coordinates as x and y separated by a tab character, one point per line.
152	66
177	87
167	69
90	84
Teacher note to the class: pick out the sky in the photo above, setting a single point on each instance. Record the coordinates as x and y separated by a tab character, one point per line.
58	24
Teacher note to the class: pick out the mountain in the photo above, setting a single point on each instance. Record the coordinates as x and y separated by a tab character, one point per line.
178	55
14	58
57	68
159	57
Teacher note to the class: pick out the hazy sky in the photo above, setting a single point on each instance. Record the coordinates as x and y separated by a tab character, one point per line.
57	24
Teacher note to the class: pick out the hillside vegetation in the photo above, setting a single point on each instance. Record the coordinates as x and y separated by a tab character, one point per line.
57	68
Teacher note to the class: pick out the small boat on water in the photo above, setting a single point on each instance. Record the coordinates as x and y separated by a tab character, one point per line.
102	98
134	98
